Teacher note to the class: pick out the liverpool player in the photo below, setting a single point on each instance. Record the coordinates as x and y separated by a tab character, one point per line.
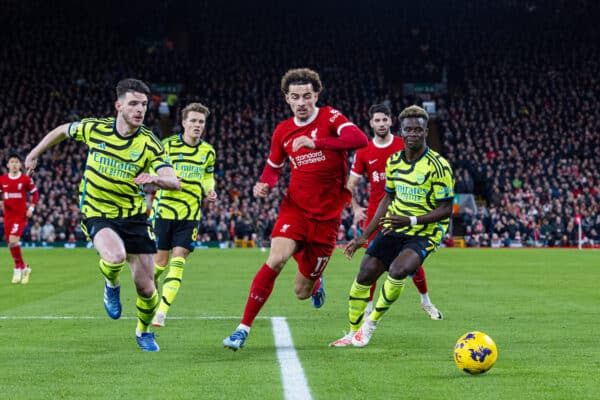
371	161
13	194
316	141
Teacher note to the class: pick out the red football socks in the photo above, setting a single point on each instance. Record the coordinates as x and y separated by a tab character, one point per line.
420	280
18	257
316	287
261	289
372	292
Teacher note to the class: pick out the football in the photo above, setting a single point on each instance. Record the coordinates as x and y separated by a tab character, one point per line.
475	353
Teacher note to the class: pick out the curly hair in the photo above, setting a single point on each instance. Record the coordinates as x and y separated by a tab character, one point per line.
301	76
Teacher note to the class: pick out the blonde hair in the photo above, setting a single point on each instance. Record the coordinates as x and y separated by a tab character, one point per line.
197	107
413	112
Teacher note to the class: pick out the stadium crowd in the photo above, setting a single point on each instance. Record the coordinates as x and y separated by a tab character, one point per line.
525	136
520	122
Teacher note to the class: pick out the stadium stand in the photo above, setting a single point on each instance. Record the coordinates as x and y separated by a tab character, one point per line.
519	119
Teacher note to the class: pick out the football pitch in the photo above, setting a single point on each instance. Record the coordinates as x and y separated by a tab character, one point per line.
540	306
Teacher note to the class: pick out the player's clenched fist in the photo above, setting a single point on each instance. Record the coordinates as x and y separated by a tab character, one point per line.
261	189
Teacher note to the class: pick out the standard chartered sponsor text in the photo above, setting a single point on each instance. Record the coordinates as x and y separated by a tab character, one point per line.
309	158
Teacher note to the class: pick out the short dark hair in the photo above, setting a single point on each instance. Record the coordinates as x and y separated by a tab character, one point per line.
301	76
379	108
132	85
413	111
14	154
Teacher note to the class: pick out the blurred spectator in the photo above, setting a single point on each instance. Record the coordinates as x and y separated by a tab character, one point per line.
495	242
244	228
36	232
523	137
48	235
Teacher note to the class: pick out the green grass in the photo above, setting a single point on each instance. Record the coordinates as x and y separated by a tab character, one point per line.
540	306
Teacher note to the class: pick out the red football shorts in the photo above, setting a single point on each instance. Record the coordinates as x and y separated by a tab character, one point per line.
317	240
14	227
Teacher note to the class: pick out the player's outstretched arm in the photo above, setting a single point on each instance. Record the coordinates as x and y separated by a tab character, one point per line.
354	245
350	138
268	179
358	242
441	212
357	210
53	138
165	179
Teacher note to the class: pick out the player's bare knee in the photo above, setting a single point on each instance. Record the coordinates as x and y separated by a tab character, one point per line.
398	272
13	244
145	289
276	262
114	256
366	276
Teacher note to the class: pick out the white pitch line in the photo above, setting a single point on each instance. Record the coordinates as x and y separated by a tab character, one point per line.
294	382
197	318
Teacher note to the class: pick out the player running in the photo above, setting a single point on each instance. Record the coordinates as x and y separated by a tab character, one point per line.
177	213
316	140
413	218
122	151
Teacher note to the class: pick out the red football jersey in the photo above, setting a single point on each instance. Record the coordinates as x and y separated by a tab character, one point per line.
14	194
371	161
318	177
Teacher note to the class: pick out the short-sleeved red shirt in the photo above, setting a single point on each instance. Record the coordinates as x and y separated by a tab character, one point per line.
371	161
14	194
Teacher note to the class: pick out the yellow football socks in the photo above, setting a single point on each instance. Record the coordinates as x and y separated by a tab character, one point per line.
390	291
171	283
158	270
111	271
357	302
146	307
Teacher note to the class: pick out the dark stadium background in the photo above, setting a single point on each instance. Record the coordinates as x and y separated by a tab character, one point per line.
514	83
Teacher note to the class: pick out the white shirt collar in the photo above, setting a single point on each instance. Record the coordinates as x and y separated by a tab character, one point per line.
386	144
309	120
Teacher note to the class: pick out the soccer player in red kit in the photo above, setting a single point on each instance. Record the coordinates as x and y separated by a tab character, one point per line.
371	161
316	140
14	187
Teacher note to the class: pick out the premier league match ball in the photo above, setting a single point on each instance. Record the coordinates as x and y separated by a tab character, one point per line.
475	353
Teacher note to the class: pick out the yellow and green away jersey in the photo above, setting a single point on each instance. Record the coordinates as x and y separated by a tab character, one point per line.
194	166
419	187
107	189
